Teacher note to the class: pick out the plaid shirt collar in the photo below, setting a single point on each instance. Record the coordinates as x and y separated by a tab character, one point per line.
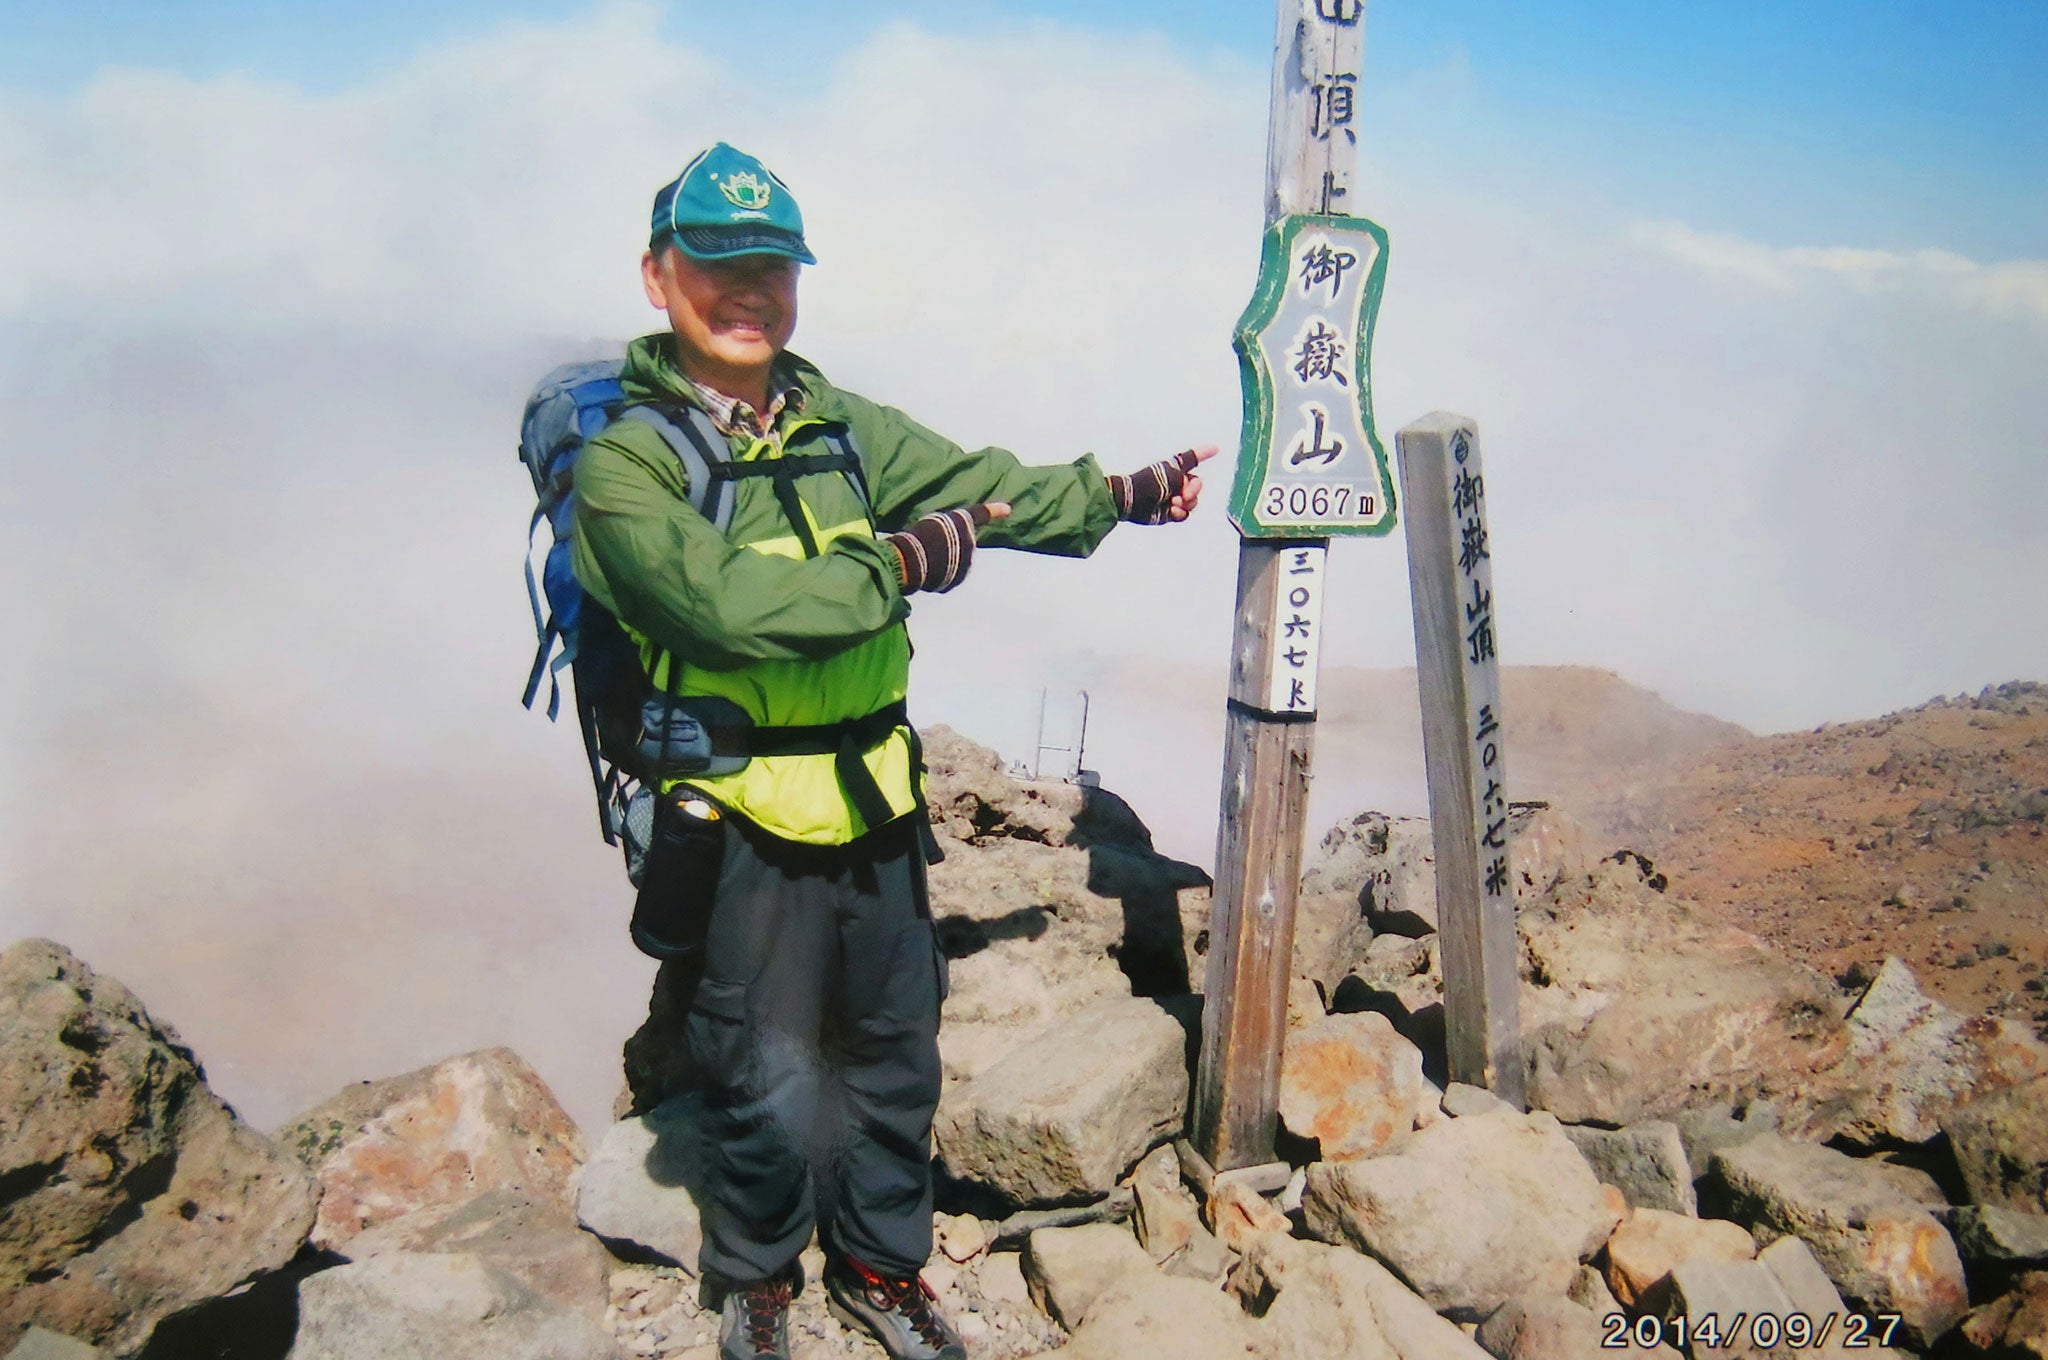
735	418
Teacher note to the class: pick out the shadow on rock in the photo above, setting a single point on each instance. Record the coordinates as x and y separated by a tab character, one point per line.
259	1322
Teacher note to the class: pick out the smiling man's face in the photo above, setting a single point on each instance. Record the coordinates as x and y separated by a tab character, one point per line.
731	317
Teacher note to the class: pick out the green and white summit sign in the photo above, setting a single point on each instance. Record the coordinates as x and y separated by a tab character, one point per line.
1309	462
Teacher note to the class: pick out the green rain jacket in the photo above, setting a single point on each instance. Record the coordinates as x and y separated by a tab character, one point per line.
796	641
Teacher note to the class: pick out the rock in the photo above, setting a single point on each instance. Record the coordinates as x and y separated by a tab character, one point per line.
1429	1106
1063	1118
973	799
1167	1217
1238	1213
1911	1181
404	1306
39	1344
537	1241
128	1190
1704	1132
1331	1302
1813	1295
1548	850
1641	1011
1148	1314
1589	1290
1393	960
1067	1268
1331	936
1725	1292
1990	1235
1885	1253
2014	1325
1646	1162
1319	1313
1398	891
1304	1003
1471	1212
1205	1257
640	1188
2000	1143
1650	1242
434	1137
1913	1060
1460	1100
1539	1327
960	1237
1002	1278
1350	1084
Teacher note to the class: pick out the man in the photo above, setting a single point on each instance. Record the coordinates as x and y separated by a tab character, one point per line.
814	1025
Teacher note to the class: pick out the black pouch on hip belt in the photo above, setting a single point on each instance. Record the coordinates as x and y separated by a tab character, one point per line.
679	878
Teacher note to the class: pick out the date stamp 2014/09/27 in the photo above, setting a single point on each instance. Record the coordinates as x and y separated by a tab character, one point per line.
1756	1331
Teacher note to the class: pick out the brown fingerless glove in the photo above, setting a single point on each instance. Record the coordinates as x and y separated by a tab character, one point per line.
934	553
1146	496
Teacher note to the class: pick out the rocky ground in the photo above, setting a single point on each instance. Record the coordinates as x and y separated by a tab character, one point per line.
1717	1128
1919	834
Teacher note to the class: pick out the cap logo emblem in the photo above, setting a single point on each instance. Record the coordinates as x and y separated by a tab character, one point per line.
746	190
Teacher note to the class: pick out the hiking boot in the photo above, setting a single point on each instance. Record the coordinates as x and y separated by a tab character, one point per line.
754	1320
896	1311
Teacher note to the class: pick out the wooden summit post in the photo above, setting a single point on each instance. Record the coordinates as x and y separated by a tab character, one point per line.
1450	578
1309	466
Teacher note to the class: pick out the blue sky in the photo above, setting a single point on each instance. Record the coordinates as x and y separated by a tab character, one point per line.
1889	125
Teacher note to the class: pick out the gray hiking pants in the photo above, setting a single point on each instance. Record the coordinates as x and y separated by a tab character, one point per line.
814	1034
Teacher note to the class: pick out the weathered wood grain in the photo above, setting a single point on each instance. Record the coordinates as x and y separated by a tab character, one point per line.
1464	749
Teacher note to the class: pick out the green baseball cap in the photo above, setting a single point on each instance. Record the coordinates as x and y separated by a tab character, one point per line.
726	203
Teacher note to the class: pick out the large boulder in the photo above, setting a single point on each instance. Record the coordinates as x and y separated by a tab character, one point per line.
406	1306
1638	1009
1062	1118
1386	865
1883	1251
2000	1142
128	1190
1912	1060
1350	1084
434	1138
537	1241
1471	1212
640	1190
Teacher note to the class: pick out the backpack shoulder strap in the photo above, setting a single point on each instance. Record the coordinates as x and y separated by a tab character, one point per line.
842	443
703	452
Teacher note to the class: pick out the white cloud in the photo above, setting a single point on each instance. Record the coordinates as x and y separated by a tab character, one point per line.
2009	287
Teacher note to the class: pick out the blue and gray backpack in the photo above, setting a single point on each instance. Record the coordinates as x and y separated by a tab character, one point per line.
631	733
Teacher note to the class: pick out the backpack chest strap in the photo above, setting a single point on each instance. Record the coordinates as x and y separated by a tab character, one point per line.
710	471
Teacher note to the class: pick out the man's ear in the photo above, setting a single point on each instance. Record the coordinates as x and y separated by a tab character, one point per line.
651	279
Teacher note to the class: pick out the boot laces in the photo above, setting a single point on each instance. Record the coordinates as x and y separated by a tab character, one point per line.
908	1295
765	1303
